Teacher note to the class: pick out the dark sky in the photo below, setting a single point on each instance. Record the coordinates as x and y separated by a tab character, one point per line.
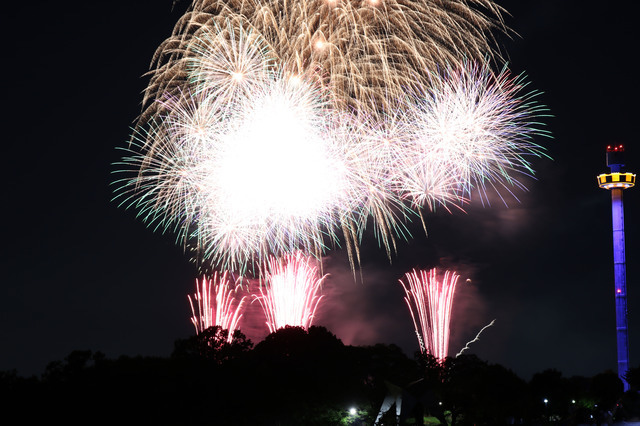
80	273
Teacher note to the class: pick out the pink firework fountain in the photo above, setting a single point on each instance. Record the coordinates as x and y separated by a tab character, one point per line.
215	303
290	292
430	300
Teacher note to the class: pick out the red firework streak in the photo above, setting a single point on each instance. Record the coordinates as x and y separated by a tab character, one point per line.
290	294
216	305
430	301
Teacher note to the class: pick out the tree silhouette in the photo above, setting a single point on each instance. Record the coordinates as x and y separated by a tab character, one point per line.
212	344
297	376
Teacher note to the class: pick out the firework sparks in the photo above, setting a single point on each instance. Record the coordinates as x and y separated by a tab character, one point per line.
430	300
365	52
274	127
215	303
228	63
269	176
471	129
290	294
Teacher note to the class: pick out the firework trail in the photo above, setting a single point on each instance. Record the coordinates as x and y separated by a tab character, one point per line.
215	303
290	293
475	339
430	300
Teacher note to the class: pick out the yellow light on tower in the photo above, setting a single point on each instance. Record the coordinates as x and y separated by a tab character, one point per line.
616	180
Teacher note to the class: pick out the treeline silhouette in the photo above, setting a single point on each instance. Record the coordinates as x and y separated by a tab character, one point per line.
304	377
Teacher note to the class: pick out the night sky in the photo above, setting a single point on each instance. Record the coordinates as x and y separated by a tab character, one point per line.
80	273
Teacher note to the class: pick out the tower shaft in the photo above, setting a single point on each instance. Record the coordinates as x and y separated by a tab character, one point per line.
619	269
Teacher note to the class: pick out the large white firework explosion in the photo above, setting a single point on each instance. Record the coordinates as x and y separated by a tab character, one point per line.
253	147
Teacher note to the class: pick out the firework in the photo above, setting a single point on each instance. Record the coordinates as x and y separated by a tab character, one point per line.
228	63
430	300
290	294
243	172
240	177
271	175
215	303
365	52
271	127
471	129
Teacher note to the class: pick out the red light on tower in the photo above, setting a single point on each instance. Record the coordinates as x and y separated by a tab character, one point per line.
615	148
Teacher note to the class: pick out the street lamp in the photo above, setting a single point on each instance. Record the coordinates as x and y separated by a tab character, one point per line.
546	411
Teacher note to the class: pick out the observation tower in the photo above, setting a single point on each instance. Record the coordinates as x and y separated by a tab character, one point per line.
617	181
